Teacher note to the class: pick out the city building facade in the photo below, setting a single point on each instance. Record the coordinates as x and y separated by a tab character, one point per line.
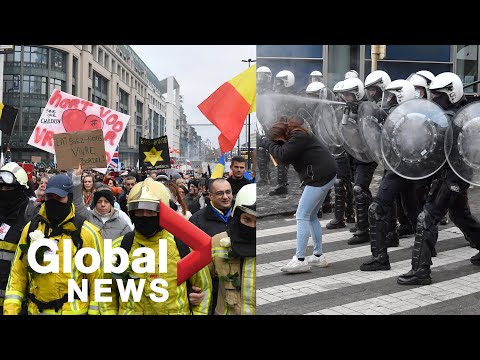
109	75
400	61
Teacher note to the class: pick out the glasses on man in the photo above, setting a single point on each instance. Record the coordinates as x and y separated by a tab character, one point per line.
221	193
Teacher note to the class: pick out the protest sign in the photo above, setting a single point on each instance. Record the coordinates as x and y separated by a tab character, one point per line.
81	147
154	154
65	113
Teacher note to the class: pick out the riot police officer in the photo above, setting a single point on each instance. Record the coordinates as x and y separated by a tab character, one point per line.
343	206
264	85
395	93
448	193
352	91
283	84
316	76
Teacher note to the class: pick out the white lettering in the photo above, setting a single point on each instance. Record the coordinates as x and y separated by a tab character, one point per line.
109	253
130	288
79	260
157	289
73	288
162	256
99	290
148	259
32	261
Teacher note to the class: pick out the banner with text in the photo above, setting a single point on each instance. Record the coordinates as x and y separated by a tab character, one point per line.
65	113
153	153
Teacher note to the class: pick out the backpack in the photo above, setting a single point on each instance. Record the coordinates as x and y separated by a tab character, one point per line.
75	235
183	250
56	304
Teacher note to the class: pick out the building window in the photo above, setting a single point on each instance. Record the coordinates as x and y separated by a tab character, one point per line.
100	90
123	108
57	84
139	121
35	57
58	61
35	86
74	75
30	116
14	57
467	66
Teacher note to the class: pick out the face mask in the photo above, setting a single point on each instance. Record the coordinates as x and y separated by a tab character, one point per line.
10	198
56	211
147	225
247	233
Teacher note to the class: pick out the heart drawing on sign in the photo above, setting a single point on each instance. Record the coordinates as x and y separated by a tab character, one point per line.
74	120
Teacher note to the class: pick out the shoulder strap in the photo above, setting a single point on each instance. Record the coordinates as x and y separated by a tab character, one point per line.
127	241
183	248
76	235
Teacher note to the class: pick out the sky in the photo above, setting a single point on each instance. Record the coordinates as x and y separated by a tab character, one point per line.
199	70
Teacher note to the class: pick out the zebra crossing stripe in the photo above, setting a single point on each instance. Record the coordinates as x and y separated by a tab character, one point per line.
346	254
283	229
409	299
291	244
327	283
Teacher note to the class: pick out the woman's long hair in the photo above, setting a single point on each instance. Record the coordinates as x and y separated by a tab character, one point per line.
285	126
88	195
174	189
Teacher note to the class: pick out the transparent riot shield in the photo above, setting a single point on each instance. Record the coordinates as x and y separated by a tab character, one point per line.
462	144
413	138
371	125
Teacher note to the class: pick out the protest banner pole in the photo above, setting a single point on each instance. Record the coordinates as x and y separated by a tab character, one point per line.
1	98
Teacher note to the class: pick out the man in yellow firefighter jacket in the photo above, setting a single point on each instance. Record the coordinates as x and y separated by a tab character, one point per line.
144	209
47	293
233	254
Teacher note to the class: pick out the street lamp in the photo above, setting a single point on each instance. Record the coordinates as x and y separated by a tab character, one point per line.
248	127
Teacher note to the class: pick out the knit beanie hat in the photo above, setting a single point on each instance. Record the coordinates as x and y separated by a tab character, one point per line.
107	193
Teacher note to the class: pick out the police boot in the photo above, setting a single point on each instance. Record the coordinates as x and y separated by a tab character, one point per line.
359	237
354	229
418	277
475	260
281	190
362	202
379	259
338	221
425	238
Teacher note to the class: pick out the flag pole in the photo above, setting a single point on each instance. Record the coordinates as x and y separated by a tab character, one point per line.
249	160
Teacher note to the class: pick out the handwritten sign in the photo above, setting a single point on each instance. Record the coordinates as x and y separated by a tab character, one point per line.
81	147
65	113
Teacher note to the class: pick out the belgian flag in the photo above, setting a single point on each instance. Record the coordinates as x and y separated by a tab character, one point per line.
8	115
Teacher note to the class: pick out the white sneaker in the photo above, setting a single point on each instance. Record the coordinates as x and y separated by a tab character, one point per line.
295	266
319	261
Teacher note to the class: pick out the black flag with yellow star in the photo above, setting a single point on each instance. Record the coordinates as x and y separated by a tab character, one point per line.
154	154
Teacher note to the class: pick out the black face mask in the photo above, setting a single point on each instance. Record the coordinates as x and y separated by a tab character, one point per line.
57	211
147	225
10	198
247	233
442	100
